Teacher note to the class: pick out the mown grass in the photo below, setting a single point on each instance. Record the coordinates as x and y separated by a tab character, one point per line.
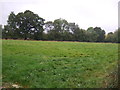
46	64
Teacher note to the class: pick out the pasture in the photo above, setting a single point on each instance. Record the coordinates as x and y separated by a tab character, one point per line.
49	64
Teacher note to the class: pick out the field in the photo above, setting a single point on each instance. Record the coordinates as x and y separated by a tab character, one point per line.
49	64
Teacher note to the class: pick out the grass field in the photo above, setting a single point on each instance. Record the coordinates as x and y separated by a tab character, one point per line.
48	64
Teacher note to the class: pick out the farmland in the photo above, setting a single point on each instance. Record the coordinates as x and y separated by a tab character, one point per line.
49	64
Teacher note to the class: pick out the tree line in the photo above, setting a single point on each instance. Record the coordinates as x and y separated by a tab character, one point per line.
28	25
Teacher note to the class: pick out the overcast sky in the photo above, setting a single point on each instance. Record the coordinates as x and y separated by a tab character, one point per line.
85	13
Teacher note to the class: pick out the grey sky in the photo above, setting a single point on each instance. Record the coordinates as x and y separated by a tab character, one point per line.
86	13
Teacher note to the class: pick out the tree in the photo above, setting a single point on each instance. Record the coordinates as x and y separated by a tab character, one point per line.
52	33
73	28
57	30
1	31
91	35
48	26
78	34
109	37
100	33
30	24
26	25
116	36
60	26
7	32
10	28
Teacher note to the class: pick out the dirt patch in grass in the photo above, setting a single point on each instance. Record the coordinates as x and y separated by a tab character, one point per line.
11	85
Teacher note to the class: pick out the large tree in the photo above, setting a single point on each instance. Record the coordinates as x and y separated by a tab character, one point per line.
57	30
7	32
100	33
26	25
109	37
77	33
48	26
117	36
91	35
9	29
60	26
1	31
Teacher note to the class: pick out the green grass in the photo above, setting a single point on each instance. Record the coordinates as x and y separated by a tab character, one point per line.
45	64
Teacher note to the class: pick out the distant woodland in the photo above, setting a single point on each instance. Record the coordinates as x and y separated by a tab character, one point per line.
28	25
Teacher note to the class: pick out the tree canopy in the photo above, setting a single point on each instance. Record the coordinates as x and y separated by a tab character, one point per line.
25	25
28	25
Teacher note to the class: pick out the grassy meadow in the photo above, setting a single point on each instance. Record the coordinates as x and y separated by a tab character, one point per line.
50	64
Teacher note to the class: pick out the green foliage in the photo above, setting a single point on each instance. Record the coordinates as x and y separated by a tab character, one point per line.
113	37
27	25
1	31
109	37
7	32
100	33
117	36
45	64
91	35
